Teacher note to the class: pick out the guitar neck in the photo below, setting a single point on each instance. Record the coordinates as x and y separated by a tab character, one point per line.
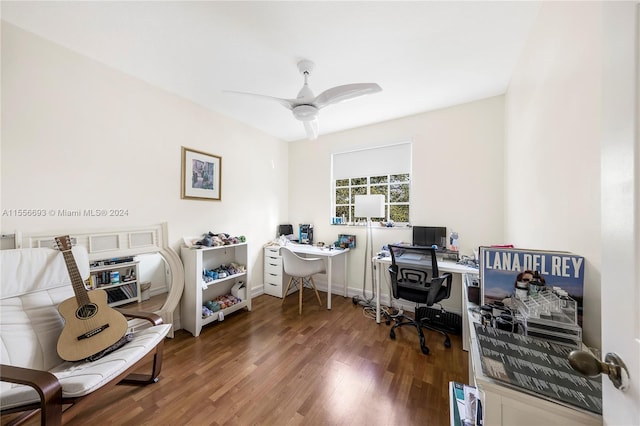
76	279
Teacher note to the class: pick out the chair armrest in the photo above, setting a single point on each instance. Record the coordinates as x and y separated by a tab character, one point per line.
154	319
45	383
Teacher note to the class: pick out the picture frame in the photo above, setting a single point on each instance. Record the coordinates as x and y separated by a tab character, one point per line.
346	241
201	175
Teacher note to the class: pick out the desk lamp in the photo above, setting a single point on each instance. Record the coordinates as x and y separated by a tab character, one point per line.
369	206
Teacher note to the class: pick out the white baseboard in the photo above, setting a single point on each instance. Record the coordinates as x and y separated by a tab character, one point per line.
450	305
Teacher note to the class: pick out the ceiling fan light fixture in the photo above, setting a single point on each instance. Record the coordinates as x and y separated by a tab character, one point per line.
306	106
305	112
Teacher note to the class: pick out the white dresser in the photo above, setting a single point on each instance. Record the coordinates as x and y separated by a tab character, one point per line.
273	272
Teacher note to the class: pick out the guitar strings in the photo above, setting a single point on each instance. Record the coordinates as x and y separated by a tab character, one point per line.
83	309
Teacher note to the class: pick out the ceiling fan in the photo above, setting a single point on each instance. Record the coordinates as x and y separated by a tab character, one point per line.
306	106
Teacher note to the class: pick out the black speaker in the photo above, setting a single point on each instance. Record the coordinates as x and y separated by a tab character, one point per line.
446	321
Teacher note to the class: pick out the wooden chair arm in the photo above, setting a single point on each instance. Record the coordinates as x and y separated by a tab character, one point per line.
154	319
45	383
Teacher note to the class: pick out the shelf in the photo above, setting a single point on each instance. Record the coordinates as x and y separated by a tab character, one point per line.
113	266
225	311
197	291
122	293
116	290
202	248
120	284
205	285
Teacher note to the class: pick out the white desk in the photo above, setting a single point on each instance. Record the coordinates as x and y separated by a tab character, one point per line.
382	266
314	251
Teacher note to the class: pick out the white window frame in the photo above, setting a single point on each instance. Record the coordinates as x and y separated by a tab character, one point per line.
388	160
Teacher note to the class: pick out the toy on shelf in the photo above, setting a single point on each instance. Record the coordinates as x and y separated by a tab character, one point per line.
206	312
223	271
210	307
210	239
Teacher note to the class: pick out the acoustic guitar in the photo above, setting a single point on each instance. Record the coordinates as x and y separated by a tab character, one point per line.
91	325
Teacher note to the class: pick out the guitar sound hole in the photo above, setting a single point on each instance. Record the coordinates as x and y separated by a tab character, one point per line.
86	311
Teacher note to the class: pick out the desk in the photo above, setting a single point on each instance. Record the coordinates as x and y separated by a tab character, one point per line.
382	265
311	251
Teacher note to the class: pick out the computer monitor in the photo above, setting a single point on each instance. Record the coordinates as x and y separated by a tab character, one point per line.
428	236
285	230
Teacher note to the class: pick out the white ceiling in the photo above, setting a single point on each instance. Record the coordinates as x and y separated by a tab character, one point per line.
425	55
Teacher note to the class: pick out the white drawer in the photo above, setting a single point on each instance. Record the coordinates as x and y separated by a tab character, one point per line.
273	267
273	289
272	257
272	251
271	278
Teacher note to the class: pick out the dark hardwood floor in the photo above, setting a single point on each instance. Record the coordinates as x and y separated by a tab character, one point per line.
273	367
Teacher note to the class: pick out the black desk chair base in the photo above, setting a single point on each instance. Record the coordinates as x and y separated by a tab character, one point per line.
402	320
447	340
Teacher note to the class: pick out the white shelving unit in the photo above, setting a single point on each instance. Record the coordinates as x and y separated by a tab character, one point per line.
197	291
126	290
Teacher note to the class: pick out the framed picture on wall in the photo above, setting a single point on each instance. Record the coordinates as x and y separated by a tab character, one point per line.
201	175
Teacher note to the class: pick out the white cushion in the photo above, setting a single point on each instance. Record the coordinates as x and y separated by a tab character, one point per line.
28	270
34	282
30	326
82	378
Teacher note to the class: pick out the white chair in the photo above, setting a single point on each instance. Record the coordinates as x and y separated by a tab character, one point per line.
301	269
32	375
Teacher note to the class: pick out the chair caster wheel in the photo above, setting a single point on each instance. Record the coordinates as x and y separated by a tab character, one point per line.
392	334
354	300
447	343
425	350
387	322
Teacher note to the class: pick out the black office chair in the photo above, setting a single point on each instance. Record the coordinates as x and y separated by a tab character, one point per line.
409	273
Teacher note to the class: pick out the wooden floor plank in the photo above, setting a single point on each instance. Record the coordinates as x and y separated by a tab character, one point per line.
270	366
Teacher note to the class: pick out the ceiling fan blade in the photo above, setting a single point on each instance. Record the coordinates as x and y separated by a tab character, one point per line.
342	93
287	103
312	129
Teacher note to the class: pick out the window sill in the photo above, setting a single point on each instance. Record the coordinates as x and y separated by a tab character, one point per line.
373	225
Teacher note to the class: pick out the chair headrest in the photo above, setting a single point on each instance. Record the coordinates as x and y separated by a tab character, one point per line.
34	269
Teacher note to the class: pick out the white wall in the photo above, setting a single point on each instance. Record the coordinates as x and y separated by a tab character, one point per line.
77	134
457	178
553	131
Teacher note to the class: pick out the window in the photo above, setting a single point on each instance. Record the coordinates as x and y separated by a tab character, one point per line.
382	170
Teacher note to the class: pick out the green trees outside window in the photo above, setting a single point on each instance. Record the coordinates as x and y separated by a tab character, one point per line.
395	189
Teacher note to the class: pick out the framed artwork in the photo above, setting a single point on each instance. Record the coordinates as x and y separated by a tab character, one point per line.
347	241
201	175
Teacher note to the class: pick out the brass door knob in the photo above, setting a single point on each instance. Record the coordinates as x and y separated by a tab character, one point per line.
613	366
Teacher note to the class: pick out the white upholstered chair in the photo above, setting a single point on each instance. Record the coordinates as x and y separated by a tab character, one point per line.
301	270
32	375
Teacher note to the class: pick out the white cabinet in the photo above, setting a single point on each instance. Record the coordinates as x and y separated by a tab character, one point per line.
197	291
118	278
273	272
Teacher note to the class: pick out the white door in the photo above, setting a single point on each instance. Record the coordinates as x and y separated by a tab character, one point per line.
620	206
